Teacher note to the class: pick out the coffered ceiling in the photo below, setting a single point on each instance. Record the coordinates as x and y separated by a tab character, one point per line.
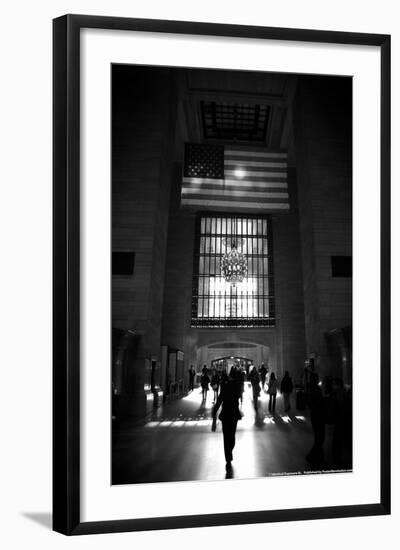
220	106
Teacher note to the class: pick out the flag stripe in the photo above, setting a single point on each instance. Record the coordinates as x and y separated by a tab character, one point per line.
239	201
253	154
202	183
226	193
231	204
254	164
250	183
257	174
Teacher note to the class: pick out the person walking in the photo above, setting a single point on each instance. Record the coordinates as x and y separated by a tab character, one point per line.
241	377
192	375
229	416
272	389
204	382
215	384
263	374
286	390
255	384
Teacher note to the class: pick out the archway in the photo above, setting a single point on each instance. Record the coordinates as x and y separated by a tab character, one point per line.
249	352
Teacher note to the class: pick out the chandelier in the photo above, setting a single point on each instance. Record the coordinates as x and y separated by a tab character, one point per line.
233	263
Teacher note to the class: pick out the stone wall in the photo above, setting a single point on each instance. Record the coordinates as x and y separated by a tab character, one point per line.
143	126
323	148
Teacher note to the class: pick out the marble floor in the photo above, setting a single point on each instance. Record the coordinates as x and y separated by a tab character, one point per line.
176	443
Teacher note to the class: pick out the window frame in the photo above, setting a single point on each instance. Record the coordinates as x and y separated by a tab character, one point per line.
232	322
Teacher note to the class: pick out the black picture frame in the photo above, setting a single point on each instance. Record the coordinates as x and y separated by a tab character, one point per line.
66	273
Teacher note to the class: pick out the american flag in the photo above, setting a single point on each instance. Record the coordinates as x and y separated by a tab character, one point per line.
228	177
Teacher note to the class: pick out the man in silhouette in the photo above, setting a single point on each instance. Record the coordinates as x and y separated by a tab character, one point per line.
230	414
192	375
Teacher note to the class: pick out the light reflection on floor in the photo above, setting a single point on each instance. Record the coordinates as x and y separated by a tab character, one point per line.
176	442
202	417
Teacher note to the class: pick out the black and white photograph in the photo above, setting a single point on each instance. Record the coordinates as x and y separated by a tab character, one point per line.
231	200
200	248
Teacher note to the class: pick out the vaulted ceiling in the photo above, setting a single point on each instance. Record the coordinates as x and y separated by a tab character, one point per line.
220	106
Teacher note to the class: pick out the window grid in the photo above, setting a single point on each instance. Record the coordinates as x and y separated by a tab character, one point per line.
220	304
234	121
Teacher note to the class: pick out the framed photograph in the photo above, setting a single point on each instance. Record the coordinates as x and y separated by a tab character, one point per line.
221	274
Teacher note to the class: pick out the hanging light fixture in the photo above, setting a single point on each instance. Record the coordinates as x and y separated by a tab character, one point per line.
233	263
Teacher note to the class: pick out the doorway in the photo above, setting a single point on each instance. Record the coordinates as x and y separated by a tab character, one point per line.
222	364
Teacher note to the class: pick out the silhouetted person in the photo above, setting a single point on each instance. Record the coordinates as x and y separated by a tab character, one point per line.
316	403
230	414
204	370
204	381
272	390
192	375
215	384
241	376
306	377
263	374
223	378
255	384
286	390
267	376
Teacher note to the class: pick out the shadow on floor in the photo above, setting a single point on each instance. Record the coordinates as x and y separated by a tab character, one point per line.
45	519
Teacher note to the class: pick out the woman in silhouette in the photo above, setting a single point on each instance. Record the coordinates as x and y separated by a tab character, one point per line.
230	414
204	382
